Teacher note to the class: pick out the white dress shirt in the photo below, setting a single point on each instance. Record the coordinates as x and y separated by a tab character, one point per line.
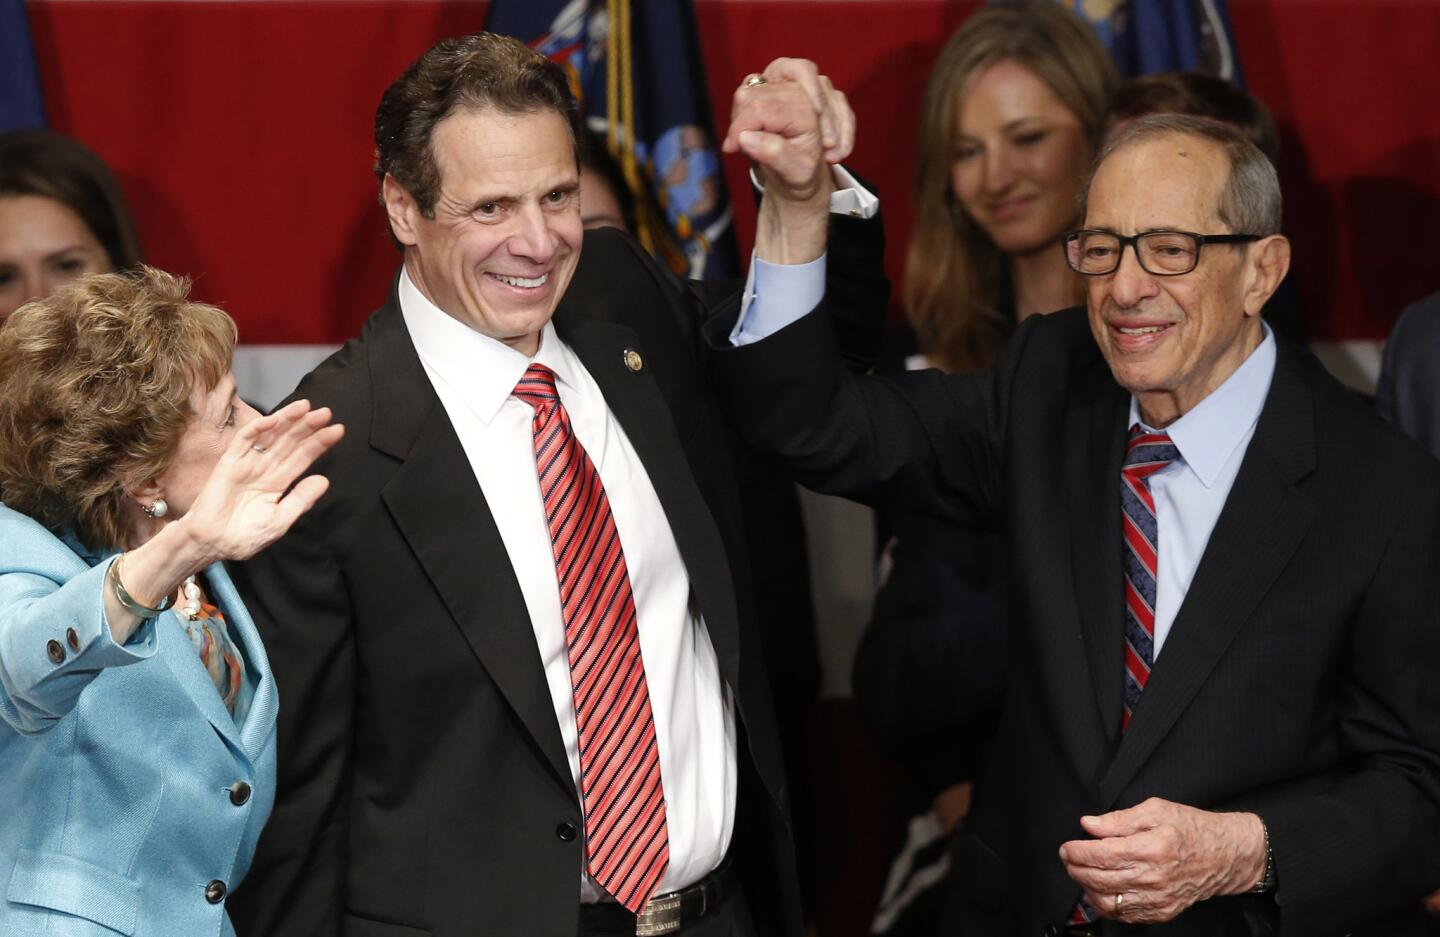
693	710
1190	492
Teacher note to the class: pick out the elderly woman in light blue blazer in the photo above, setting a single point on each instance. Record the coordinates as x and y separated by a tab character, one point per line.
137	710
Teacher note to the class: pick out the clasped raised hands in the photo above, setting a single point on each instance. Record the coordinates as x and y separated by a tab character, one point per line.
792	122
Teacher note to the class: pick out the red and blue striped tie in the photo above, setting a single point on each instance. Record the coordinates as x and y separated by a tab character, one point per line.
626	838
1145	454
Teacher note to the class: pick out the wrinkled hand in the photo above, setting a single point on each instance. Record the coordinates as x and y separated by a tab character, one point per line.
244	507
1164	857
792	126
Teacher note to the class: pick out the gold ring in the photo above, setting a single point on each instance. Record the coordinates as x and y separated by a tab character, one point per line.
1119	901
754	81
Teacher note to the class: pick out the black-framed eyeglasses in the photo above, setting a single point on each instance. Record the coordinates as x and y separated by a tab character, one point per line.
1095	253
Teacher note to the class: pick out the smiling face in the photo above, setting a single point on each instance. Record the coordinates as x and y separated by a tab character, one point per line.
1171	340
505	236
43	244
1020	158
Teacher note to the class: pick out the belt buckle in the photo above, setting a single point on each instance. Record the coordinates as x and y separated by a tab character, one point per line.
660	915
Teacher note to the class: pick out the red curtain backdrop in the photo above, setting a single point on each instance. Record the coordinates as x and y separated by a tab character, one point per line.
241	132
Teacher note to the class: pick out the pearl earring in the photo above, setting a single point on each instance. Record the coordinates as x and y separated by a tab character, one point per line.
156	509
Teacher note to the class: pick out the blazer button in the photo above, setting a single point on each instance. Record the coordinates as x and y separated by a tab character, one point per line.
633	361
55	650
566	831
215	892
240	794
1052	931
72	638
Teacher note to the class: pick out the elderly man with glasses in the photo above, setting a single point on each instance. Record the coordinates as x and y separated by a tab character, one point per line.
1222	716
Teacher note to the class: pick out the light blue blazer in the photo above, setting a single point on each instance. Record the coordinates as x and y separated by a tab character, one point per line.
121	807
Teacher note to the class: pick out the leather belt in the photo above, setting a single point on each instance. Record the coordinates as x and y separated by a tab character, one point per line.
667	913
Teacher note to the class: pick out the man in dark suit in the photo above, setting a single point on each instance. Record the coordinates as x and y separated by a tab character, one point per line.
523	688
1409	390
1221	716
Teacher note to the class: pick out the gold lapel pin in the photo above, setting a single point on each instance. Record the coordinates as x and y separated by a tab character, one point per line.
633	361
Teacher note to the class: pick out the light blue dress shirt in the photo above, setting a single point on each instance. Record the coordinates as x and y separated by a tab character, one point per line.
779	294
1190	492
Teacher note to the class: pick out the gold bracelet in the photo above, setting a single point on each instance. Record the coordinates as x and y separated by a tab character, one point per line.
127	601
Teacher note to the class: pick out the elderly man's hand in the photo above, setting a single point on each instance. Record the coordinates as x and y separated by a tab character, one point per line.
1161	857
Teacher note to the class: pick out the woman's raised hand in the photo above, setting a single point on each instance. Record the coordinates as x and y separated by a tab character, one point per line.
248	502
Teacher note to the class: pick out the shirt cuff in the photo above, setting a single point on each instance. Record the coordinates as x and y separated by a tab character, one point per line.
775	296
849	198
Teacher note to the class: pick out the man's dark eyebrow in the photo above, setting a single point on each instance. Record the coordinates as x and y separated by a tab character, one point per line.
1151	230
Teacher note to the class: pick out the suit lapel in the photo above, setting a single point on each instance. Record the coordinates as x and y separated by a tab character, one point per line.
184	662
1261	525
264	705
1095	443
440	511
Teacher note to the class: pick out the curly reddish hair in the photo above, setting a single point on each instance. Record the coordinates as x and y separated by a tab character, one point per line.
96	381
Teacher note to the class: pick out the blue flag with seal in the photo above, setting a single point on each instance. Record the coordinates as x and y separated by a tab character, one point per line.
1149	36
636	70
21	105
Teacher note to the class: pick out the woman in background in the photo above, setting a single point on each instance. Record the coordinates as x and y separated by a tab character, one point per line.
1013	113
137	710
61	216
1012	116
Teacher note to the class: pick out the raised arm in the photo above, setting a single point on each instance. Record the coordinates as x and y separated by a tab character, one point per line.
55	637
62	622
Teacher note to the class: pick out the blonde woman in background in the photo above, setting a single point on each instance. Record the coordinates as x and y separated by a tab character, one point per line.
1012	116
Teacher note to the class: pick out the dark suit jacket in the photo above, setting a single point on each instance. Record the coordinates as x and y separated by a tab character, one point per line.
929	673
1297	682
1409	391
424	788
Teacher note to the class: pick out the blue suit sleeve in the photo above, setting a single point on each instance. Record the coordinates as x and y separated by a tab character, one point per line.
54	637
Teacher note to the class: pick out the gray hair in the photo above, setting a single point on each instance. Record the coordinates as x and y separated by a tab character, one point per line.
1250	201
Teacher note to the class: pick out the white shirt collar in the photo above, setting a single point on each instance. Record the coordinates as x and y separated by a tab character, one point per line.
1208	435
481	369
